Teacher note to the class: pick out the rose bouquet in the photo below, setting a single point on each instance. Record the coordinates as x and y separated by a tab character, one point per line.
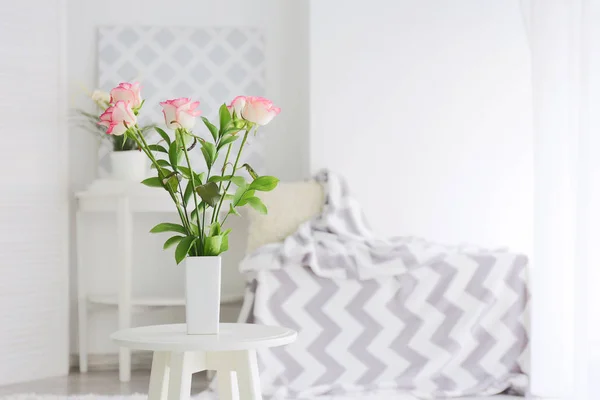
89	121
203	200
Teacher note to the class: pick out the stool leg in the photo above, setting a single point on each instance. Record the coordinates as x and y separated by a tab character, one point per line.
159	376
247	374
180	376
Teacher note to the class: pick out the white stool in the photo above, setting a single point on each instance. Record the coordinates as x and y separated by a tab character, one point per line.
232	353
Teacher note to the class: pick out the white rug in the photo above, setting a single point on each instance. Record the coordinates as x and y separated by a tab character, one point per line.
213	396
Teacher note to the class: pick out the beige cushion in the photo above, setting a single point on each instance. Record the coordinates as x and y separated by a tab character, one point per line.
289	205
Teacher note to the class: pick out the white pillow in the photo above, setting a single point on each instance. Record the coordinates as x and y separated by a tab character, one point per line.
289	205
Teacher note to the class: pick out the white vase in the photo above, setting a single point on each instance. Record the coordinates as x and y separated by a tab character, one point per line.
128	165
202	295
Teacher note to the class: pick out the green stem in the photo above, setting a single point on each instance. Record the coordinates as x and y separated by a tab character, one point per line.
215	216
237	159
182	194
144	146
192	178
204	209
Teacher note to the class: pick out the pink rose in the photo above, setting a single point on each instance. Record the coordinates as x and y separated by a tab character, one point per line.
117	118
128	92
237	105
180	113
257	110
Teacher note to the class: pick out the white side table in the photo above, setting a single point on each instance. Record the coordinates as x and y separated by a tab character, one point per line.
232	353
125	199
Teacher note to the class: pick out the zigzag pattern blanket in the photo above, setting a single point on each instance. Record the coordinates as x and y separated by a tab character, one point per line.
379	314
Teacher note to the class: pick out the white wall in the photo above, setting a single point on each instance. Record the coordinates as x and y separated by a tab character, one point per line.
285	25
34	276
425	107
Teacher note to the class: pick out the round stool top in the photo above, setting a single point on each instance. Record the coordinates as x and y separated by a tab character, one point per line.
231	337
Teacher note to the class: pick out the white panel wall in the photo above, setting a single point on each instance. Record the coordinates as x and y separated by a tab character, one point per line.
426	108
33	199
285	25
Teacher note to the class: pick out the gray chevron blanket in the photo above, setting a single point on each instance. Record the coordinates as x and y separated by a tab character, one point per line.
375	313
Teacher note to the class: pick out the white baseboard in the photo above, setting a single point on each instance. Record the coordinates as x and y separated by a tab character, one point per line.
110	362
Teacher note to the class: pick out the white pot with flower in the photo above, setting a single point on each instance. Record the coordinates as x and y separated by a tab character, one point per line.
203	200
128	162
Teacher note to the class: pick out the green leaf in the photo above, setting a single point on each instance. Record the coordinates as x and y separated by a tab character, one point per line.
169	177
224	243
185	171
231	131
157	147
214	229
210	153
187	193
238	180
153	182
214	131
163	135
232	210
244	200
257	204
238	195
183	248
174	154
252	173
212	245
241	196
171	241
264	183
224	119
162	163
217	178
209	193
226	140
165	173
168	227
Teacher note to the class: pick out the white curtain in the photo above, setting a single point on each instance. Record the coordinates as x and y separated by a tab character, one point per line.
564	37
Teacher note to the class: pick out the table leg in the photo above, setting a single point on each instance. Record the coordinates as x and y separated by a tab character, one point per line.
180	377
159	376
227	385
247	374
124	238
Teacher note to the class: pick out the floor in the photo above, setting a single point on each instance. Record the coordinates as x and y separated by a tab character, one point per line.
98	382
107	383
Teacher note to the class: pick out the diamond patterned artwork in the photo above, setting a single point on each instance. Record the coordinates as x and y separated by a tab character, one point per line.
209	64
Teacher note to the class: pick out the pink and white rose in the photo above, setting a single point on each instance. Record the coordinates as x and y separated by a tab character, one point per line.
128	92
237	105
257	110
118	118
180	113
